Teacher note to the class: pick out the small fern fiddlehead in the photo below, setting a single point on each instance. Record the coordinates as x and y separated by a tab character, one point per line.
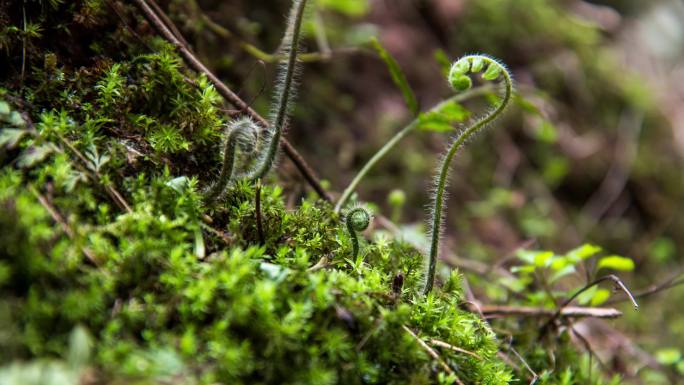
460	81
240	134
285	91
357	219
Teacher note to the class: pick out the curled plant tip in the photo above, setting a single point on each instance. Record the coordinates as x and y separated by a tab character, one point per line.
460	80
240	134
285	90
458	74
357	219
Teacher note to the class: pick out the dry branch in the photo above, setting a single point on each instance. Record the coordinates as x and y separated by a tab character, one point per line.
492	311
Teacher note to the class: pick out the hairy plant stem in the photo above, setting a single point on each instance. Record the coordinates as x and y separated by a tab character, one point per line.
483	90
302	166
257	210
439	197
226	167
285	90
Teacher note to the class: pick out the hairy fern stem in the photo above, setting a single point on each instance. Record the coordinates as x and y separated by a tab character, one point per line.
460	81
285	90
241	133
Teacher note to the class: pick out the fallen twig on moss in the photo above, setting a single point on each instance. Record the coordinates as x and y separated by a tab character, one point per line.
430	351
493	311
445	345
618	282
57	217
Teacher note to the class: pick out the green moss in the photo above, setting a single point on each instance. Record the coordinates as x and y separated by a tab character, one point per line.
103	228
236	315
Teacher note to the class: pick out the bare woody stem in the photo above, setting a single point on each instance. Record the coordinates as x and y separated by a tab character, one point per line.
615	279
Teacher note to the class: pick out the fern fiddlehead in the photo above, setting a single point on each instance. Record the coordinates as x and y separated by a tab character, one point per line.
357	219
240	134
285	91
460	81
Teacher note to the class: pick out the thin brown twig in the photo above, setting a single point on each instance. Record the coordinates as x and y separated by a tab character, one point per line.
507	360
586	345
534	374
113	193
611	277
432	353
299	162
510	348
511	254
57	217
226	239
618	173
259	54
321	264
445	345
369	334
165	18
116	8
492	311
674	280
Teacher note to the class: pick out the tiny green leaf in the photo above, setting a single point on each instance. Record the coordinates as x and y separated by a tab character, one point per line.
600	297
583	252
461	82
461	67
523	269
443	60
526	256
398	76
616	262
567	270
477	65
354	8
668	356
543	259
493	72
444	119
587	295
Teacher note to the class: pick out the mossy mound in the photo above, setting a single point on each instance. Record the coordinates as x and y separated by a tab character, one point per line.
115	270
166	295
